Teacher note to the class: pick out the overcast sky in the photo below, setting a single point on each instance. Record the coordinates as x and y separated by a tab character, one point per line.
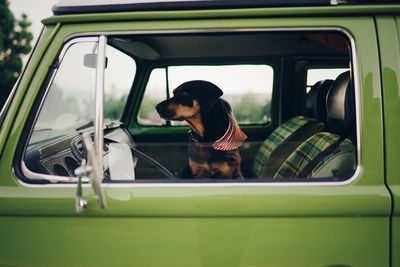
40	9
36	11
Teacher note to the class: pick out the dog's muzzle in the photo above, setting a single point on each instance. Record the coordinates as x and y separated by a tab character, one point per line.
163	111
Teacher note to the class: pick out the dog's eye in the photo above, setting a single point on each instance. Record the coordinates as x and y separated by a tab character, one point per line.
186	100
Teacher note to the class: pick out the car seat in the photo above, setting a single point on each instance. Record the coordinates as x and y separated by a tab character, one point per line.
288	136
328	154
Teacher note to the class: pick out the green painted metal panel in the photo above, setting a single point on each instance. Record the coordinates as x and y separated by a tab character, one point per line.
204	201
390	54
388	31
51	242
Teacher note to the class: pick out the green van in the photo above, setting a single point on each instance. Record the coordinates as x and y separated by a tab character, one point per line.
90	175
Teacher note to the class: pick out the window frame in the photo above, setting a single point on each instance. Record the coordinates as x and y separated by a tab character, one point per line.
23	176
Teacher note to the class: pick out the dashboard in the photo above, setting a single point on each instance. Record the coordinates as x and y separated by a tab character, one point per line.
122	161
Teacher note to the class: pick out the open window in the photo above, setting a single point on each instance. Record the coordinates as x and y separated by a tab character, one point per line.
294	127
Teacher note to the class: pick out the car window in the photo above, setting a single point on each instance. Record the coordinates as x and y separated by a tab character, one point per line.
154	93
248	89
118	82
318	74
69	102
68	109
244	109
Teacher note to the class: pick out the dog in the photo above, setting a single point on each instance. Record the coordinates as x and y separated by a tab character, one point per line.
215	136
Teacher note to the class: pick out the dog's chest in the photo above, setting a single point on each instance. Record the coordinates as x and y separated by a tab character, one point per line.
208	162
206	154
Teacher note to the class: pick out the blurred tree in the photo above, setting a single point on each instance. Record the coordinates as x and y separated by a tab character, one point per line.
147	108
113	107
15	41
249	110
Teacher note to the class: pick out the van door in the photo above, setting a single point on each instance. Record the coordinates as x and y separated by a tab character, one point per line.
179	223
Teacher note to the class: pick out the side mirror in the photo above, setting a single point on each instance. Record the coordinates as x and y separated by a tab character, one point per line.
90	61
91	169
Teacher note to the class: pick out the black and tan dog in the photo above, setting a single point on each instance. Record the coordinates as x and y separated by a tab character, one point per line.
215	136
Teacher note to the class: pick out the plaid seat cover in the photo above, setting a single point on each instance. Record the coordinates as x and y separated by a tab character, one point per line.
309	150
278	136
344	147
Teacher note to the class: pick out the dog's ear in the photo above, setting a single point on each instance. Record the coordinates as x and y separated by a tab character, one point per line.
209	94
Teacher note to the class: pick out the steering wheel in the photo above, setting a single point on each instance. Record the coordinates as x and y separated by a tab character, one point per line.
79	151
77	148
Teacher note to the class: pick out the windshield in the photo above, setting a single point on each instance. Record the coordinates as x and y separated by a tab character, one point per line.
69	103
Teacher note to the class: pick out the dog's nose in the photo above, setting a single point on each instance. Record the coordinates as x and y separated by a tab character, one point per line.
159	107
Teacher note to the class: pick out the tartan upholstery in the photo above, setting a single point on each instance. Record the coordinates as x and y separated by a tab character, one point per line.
308	151
344	147
278	136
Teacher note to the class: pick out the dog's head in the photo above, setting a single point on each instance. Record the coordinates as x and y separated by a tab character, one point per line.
190	98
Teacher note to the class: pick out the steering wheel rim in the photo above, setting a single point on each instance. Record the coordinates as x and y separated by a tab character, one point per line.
79	151
75	145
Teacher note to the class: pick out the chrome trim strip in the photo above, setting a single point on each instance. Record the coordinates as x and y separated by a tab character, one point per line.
184	185
50	178
357	89
99	99
355	75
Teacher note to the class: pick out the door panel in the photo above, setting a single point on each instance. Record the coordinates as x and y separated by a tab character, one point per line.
192	242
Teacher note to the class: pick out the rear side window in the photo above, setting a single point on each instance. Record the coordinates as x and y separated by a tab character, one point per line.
315	75
248	89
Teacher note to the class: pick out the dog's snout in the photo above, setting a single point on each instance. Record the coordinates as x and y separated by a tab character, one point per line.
159	107
163	111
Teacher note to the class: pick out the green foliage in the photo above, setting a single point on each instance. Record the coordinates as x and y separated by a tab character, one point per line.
248	109
147	109
15	41
113	107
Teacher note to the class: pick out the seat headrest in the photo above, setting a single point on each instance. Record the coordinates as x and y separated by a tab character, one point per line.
340	105
316	100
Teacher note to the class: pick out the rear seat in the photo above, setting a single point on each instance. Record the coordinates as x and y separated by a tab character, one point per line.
328	154
288	136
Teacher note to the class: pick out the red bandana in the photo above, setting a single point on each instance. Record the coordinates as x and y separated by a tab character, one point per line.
231	140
